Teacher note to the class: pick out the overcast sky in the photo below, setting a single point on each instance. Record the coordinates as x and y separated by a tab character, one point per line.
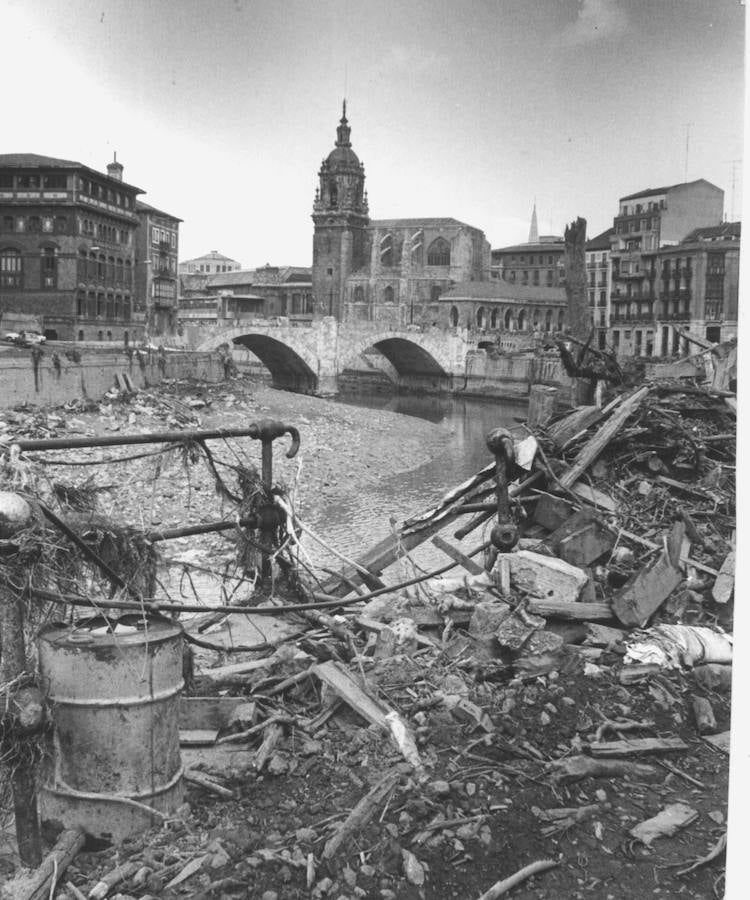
222	111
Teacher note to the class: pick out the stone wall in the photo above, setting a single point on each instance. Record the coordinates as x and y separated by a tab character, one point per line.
54	377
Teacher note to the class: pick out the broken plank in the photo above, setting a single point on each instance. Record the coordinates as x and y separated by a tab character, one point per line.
457	556
637	745
576	422
571	610
644	593
362	812
603	436
724	584
343	684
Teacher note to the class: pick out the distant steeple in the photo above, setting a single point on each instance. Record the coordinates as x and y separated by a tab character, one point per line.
533	230
343	131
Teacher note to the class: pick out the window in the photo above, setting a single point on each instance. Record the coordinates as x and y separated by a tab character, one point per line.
8	223
439	253
80	305
154	235
481	318
35	224
99	306
28	182
386	250
11	268
100	335
522	320
359	294
48	223
549	277
434	293
535	276
508	320
454	317
388	296
6	180
61	224
494	318
49	268
80	335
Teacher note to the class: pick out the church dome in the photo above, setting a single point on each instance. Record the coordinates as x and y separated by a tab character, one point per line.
342	156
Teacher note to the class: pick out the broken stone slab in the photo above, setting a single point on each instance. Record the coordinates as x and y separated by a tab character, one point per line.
603	636
544	576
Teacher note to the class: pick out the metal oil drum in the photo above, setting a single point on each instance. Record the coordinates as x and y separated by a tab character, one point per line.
114	768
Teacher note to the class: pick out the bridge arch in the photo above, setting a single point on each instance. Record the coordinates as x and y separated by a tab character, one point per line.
293	366
411	354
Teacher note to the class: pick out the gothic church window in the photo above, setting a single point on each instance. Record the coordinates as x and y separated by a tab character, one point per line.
454	316
439	253
388	295
386	250
359	294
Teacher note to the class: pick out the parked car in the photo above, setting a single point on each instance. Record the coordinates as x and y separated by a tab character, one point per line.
33	337
12	337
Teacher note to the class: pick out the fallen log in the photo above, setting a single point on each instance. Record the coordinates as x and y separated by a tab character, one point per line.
575	768
571	610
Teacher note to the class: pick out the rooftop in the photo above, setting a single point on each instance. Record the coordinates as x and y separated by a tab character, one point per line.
727	231
504	290
146	207
540	246
663	190
35	161
601	241
420	223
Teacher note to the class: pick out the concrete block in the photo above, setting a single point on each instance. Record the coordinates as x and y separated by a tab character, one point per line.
545	576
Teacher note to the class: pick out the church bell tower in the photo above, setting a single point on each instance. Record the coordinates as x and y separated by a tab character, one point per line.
340	216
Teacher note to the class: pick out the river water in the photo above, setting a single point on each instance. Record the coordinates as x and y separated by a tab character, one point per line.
359	521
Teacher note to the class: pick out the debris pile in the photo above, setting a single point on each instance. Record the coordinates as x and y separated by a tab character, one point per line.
561	703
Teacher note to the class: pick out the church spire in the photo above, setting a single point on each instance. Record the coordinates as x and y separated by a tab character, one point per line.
533	230
343	131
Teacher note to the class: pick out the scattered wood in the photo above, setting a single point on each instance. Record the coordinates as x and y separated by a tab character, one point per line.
362	812
344	685
636	746
718	741
603	436
187	871
502	887
574	424
117	876
193	776
271	737
39	884
594	497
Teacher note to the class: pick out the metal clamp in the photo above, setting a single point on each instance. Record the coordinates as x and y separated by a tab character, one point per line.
504	534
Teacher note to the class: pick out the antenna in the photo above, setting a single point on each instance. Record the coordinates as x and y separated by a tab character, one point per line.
687	146
734	163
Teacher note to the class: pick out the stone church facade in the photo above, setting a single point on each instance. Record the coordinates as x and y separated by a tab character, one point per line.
391	271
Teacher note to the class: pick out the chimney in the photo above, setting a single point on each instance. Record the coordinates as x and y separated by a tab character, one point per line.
114	169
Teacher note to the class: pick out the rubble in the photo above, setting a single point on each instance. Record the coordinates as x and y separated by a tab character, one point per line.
383	740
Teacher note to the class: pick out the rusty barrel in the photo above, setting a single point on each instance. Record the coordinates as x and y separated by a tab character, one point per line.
115	766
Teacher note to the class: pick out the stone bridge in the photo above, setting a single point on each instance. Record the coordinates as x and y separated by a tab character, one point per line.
308	356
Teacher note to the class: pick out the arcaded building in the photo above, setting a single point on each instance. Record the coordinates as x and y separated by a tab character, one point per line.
392	271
